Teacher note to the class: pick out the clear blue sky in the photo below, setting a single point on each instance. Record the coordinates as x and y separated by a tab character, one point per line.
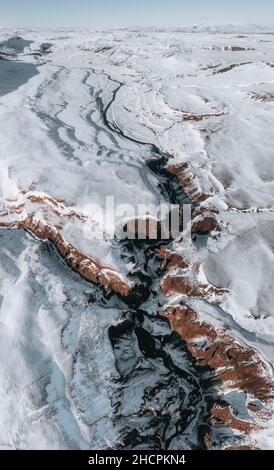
108	13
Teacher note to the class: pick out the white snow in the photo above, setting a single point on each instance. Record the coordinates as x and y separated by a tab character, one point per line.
192	93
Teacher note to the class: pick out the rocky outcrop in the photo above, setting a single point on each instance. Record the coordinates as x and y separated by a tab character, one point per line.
188	181
205	223
42	216
233	367
170	259
3	55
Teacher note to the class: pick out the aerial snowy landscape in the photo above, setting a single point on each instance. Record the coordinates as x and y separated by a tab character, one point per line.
114	342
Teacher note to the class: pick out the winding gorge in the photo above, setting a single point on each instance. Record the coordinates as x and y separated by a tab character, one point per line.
137	344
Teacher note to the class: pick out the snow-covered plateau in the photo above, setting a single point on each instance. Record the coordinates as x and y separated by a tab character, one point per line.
137	344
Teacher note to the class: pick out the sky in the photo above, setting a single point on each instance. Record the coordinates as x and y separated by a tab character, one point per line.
119	13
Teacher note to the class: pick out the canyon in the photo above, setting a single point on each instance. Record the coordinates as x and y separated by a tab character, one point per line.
163	343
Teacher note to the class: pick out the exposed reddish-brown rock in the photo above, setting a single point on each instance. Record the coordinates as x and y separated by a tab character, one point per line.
91	269
232	448
204	221
203	225
87	267
187	285
207	441
148	228
3	55
190	280
234	366
188	181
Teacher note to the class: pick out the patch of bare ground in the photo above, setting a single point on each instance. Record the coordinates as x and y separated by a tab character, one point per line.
188	181
23	215
238	48
234	366
262	97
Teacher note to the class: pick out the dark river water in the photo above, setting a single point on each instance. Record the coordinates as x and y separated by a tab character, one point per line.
14	73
